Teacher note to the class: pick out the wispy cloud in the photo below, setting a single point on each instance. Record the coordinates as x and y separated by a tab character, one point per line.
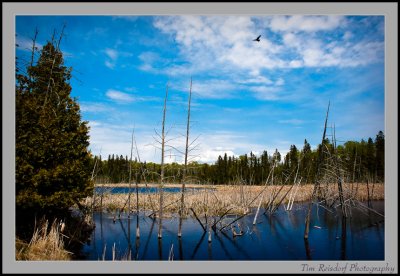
127	96
227	41
94	107
112	56
119	96
292	122
266	93
305	23
25	44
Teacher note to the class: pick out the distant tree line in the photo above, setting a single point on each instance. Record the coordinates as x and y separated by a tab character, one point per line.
362	161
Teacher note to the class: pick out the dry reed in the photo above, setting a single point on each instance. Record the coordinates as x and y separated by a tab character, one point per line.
238	199
45	245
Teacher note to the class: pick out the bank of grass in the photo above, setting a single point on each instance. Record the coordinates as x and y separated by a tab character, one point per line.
236	199
46	245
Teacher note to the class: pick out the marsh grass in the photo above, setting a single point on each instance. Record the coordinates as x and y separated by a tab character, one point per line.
216	200
46	245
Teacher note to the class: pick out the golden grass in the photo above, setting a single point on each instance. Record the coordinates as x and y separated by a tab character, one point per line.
235	198
45	245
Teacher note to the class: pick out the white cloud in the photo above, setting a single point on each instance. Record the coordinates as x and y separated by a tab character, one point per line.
211	155
114	138
25	44
124	97
256	80
291	40
94	107
213	89
152	62
266	93
112	58
291	121
312	52
112	54
296	63
305	23
119	96
109	64
347	35
280	82
219	40
313	57
225	42
217	144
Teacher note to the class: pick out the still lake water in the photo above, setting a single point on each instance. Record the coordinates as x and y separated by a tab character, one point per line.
274	237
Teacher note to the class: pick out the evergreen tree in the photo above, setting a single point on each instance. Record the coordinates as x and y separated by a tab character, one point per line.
306	162
52	157
370	157
277	156
380	155
265	165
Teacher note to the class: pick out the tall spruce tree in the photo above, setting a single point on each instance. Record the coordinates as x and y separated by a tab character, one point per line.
52	157
380	155
306	161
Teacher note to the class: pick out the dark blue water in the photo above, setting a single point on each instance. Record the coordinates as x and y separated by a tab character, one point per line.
274	237
147	190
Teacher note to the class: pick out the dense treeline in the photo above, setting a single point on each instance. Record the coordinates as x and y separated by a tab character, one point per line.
361	161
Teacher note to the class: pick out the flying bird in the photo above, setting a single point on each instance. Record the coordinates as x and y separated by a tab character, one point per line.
257	39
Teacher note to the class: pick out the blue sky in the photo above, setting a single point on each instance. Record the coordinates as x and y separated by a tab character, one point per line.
247	95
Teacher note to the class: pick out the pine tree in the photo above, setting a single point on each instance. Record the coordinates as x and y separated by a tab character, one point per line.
370	157
380	155
306	161
52	157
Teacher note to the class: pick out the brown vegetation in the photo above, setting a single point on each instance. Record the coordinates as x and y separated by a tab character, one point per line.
216	200
45	245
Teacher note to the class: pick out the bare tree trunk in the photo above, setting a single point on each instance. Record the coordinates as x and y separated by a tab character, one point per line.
33	47
94	192
52	67
316	184
142	174
354	175
130	177
339	179
186	159
137	188
368	197
258	210
162	165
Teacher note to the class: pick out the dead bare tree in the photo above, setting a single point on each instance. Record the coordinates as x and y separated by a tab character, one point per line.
130	178
56	53
94	173
339	178
162	165
137	188
186	161
316	184
34	48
